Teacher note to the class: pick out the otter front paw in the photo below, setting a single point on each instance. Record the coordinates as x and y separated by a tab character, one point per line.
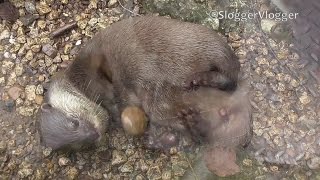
192	83
194	123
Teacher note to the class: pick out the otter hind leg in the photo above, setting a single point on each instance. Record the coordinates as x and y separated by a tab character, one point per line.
212	79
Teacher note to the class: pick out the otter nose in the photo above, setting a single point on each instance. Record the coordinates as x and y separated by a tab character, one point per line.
93	135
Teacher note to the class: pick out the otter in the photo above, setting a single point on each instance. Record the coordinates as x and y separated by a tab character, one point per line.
145	62
223	119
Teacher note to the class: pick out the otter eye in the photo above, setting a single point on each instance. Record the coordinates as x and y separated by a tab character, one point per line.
74	123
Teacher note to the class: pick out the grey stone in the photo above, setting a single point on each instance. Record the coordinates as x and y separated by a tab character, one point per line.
29	19
118	158
9	105
30	7
49	50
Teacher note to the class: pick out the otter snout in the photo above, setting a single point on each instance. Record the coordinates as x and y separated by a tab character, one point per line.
93	136
89	132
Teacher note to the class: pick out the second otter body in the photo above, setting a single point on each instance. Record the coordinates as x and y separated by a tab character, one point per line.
145	58
147	62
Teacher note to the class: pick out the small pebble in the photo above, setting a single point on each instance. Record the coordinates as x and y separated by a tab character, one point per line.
38	99
29	19
72	173
30	7
43	8
78	42
46	152
49	50
14	92
112	3
63	161
314	163
25	172
5	34
118	158
9	105
30	92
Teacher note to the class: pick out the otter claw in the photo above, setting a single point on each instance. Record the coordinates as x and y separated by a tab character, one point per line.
188	113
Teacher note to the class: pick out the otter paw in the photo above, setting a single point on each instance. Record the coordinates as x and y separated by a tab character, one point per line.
164	142
150	142
168	140
194	123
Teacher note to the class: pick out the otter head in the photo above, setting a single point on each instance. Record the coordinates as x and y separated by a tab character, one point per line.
69	120
230	120
226	116
232	126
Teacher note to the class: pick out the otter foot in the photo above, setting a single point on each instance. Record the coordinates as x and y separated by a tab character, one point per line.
194	123
212	79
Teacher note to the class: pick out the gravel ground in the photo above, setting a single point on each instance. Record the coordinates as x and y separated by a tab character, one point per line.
287	109
286	113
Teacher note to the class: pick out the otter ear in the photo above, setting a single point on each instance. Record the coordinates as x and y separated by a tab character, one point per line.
46	107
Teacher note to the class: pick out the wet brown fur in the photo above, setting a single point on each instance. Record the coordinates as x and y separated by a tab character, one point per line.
148	62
